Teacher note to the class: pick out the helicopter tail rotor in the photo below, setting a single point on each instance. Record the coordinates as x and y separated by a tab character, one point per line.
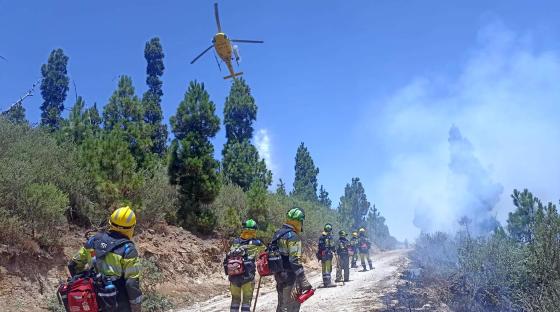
217	17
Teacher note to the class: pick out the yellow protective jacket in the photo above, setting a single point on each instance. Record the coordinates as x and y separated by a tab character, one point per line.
115	257
290	248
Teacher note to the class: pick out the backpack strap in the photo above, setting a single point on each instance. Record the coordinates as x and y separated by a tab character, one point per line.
279	235
105	244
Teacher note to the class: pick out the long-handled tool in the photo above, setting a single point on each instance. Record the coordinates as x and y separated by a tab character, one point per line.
257	296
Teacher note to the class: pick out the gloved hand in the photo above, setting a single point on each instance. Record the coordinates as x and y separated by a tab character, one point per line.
136	308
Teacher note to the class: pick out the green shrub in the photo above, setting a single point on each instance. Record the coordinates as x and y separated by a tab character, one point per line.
44	208
151	276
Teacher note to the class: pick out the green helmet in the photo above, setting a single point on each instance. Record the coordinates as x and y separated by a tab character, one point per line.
250	224
341	233
296	214
328	227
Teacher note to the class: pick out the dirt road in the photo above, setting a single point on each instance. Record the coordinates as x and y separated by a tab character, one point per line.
363	293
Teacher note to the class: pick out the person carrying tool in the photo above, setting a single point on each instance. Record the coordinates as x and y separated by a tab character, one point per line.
239	265
291	282
342	257
364	245
325	253
113	255
354	244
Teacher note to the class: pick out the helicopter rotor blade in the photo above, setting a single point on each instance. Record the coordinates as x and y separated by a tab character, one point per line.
201	54
217	17
247	41
217	62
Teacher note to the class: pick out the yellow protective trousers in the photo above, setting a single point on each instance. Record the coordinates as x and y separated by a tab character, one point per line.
241	296
326	269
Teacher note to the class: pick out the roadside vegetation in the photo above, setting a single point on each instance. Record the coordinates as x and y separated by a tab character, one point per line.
512	268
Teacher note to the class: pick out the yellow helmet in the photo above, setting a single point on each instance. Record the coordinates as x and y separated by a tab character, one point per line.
123	221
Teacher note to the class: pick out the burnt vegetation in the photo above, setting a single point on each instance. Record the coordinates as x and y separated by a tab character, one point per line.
512	268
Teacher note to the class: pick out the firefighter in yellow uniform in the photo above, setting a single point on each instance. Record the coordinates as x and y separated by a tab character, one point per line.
292	281
354	244
325	253
113	255
364	245
247	246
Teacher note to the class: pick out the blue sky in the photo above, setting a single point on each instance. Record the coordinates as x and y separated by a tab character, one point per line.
371	87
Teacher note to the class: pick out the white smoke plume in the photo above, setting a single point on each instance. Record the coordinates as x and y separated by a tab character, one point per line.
263	144
506	101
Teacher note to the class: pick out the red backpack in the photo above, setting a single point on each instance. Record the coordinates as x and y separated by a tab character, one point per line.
79	295
235	265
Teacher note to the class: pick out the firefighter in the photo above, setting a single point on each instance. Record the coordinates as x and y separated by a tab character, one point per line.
325	253
113	255
342	247
292	281
364	245
354	244
247	247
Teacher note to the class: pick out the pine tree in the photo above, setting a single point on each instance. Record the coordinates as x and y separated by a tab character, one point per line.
15	114
354	206
521	222
192	167
92	118
241	162
153	116
305	182
75	128
54	87
281	188
324	197
124	111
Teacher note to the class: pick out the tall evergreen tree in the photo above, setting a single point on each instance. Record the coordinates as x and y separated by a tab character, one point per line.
241	164
54	87
354	206
241	161
281	188
124	111
92	117
153	116
192	167
240	111
15	114
520	223
305	182
324	197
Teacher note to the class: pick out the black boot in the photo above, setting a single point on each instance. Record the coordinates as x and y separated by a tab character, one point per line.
365	268
370	265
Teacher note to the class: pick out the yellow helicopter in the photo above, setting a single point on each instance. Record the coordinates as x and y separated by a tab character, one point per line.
222	44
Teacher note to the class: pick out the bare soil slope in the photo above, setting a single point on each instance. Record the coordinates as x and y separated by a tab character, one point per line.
191	268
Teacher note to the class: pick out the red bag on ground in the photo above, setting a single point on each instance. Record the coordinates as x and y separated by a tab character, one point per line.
262	264
81	296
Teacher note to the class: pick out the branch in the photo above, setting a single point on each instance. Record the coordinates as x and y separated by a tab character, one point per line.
26	95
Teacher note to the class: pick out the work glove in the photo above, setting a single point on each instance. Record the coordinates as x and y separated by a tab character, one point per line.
136	308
